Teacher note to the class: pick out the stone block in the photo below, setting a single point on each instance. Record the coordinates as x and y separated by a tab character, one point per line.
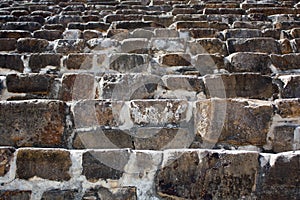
101	138
44	128
79	61
39	163
286	62
93	113
263	45
135	45
135	24
15	194
69	46
128	193
181	82
280	176
6	156
29	83
175	59
242	33
285	138
247	85
28	26
202	32
11	61
200	24
104	164
32	45
163	32
209	63
16	34
168	44
48	34
57	194
78	87
90	34
8	44
123	62
288	108
38	61
208	46
249	62
291	87
207	175
218	124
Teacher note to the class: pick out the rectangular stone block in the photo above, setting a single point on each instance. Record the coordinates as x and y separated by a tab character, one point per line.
59	194
135	24
15	194
11	61
29	83
247	85
123	62
263	45
28	26
207	175
81	61
6	157
32	45
69	46
291	87
47	164
16	34
167	44
48	34
33	123
288	108
241	33
175	59
200	24
128	193
232	122
208	46
286	62
8	44
37	61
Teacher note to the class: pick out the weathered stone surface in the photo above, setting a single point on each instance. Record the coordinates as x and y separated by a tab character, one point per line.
252	24
6	156
31	83
285	46
207	175
101	138
280	176
247	85
89	34
159	113
79	61
130	86
295	32
249	62
37	61
104	164
78	87
32	45
72	34
291	87
208	46
237	11
263	45
14	34
91	113
11	61
163	32
15	194
135	24
242	33
29	26
135	45
48	34
200	24
44	128
217	122
8	44
39	163
284	137
288	108
123	62
286	62
209	63
59	194
176	59
98	193
164	21
168	44
202	32
181	82
69	46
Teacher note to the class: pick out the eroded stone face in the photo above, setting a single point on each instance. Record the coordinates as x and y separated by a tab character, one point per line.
128	193
207	175
6	155
15	194
33	123
39	163
59	194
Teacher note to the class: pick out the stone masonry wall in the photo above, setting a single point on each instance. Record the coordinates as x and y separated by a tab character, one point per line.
149	99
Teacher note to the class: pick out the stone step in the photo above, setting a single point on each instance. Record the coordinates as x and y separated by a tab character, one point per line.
164	173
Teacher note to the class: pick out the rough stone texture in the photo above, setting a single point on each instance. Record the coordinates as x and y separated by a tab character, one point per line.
263	45
6	156
217	122
32	45
249	62
8	44
42	60
127	62
246	85
39	163
284	137
291	87
33	83
104	165
32	123
11	61
207	175
124	193
209	45
79	61
15	195
286	62
281	177
69	46
59	194
77	86
288	108
176	60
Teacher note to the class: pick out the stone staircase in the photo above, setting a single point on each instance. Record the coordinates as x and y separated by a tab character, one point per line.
150	99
